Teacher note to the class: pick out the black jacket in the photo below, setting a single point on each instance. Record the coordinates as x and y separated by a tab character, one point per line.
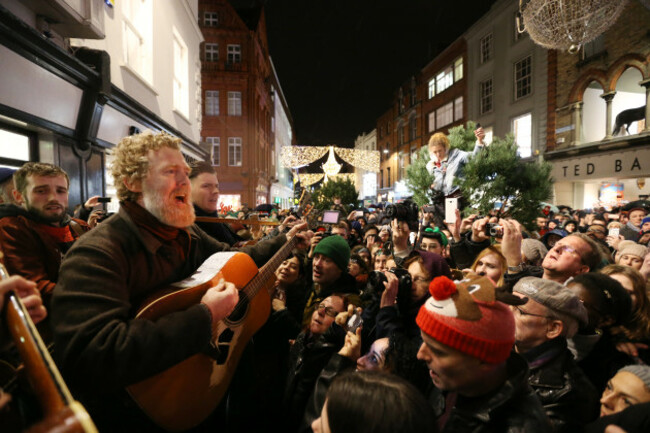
513	407
219	231
464	252
568	397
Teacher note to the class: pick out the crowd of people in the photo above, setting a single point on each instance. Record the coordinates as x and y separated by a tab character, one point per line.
374	324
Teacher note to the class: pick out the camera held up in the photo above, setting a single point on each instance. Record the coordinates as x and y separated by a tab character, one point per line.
406	211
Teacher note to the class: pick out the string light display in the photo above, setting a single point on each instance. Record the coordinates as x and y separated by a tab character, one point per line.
568	24
310	178
299	156
331	167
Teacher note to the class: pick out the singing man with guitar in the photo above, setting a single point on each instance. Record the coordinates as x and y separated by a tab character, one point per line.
150	243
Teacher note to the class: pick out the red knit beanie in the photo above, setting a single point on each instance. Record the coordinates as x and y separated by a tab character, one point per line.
466	316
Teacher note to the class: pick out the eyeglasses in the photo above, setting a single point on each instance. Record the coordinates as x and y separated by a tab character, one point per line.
562	248
525	313
420	280
329	311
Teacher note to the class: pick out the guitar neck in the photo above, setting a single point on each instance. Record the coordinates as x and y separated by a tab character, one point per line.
269	268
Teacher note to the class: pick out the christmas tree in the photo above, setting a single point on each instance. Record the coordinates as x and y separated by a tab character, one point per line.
499	175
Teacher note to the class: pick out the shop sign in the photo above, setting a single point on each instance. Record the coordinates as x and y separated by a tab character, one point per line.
630	163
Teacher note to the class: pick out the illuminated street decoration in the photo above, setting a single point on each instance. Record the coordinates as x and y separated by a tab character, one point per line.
331	167
567	24
299	156
310	178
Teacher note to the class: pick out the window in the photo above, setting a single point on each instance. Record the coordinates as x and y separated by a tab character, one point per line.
181	84
414	97
445	79
522	129
137	46
486	48
413	128
211	102
211	19
523	78
485	89
458	108
400	135
414	154
234	53
402	165
458	69
14	146
445	115
234	103
234	151
388	182
432	121
215	149
381	178
432	88
211	52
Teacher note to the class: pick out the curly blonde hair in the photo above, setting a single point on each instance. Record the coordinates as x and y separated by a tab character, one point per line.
439	139
131	162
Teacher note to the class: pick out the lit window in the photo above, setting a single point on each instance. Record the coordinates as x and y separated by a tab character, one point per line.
523	78
432	88
211	52
486	48
445	79
215	149
458	108
181	85
234	53
485	88
137	47
234	103
211	102
445	115
234	151
14	146
458	69
522	129
211	19
432	121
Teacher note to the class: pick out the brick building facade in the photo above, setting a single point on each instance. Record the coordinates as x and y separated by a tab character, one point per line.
237	100
609	75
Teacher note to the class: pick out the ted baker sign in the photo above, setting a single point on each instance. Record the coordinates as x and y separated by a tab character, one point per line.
629	163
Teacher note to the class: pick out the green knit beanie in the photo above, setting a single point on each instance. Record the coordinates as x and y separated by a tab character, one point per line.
336	248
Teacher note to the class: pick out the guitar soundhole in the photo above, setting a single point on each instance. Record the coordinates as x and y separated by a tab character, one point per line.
240	310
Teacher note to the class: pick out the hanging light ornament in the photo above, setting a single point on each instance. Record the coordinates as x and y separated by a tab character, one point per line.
567	24
331	167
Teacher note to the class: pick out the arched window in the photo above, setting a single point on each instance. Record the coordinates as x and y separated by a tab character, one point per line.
594	114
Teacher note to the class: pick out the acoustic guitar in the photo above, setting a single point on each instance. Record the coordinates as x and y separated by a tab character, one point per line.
182	396
61	412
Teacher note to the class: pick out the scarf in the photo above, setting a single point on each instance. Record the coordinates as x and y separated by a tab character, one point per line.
178	239
62	235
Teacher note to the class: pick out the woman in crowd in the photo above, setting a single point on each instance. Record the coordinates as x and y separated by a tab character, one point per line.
630	254
608	307
382	258
630	386
636	333
491	263
358	268
374	402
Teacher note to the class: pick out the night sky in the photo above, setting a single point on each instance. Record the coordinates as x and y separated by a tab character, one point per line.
340	61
